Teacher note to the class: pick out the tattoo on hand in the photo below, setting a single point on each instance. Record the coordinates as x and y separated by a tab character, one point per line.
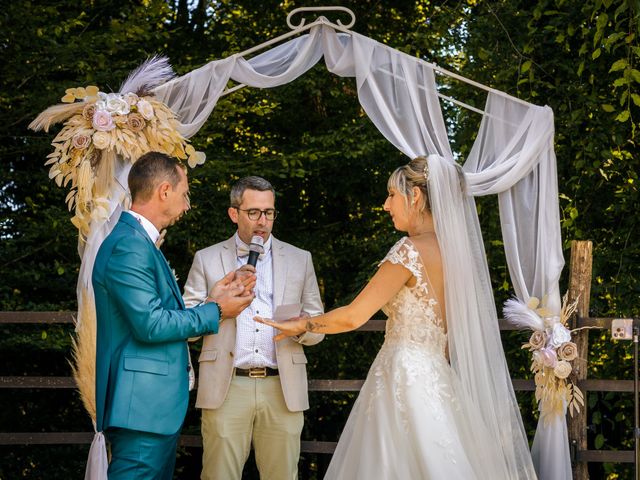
312	326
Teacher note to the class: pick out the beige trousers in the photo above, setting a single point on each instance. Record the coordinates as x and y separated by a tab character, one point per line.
253	412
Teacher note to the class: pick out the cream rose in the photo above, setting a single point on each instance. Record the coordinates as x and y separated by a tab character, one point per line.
568	351
102	121
131	98
101	140
101	104
562	369
136	122
538	378
80	141
117	104
145	109
538	339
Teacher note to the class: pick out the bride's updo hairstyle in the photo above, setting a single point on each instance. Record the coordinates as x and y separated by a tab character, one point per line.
413	174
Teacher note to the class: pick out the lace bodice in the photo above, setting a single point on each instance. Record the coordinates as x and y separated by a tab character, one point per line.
414	314
413	356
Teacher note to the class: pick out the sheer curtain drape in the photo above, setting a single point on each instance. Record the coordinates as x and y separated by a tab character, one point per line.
512	157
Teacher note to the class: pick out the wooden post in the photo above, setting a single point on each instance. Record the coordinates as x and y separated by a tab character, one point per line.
580	285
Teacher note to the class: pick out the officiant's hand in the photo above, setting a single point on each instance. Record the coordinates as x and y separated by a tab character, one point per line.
232	294
288	328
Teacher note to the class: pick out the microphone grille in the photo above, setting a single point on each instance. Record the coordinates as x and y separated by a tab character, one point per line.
256	244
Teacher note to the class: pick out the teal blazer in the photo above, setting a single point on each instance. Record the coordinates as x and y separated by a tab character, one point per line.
142	378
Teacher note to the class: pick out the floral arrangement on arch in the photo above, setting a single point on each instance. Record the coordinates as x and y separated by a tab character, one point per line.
552	354
101	128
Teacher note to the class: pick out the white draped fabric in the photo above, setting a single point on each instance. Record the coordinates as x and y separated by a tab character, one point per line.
98	464
512	157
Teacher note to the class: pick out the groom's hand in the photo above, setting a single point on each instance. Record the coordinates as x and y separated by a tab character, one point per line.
232	294
246	275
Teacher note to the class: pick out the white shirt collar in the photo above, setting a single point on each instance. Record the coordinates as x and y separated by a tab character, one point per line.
149	227
266	246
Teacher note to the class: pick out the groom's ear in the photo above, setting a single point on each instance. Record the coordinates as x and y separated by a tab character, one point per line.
233	214
162	190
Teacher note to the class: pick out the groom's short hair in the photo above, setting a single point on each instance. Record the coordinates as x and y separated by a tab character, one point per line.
149	171
248	183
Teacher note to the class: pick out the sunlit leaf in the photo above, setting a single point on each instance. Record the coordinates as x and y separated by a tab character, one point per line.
619	65
623	116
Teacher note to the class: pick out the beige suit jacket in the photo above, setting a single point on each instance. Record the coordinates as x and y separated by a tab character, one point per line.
294	281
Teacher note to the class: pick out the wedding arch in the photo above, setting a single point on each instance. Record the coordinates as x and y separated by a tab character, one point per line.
513	157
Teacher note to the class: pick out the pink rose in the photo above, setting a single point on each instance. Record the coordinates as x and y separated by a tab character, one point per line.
102	121
80	141
548	357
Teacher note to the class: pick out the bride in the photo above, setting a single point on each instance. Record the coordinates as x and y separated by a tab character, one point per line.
437	402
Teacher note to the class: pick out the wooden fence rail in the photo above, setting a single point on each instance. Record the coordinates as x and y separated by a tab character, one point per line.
56	438
579	287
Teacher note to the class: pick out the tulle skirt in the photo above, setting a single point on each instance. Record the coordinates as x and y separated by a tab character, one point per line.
410	422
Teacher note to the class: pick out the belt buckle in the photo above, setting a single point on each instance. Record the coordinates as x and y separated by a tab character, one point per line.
258	372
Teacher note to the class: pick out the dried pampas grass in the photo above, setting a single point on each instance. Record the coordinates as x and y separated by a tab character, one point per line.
83	352
55	114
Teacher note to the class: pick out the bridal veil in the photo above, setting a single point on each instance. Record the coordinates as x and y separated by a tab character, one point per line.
475	348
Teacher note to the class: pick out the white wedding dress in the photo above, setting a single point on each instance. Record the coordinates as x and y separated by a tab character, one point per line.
411	420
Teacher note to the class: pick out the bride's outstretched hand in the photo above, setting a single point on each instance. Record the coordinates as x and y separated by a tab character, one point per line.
288	328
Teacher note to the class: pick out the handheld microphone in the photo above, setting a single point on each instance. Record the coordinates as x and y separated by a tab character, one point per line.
255	249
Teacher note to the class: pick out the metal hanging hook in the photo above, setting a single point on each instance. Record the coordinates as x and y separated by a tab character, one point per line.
320	9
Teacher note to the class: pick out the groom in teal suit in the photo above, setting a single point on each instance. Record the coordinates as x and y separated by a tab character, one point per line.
142	364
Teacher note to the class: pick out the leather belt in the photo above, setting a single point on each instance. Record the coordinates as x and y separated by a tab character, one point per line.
257	372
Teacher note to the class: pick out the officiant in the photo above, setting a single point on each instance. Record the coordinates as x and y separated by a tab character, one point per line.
251	389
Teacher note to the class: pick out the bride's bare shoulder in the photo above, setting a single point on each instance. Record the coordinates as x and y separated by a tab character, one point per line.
427	246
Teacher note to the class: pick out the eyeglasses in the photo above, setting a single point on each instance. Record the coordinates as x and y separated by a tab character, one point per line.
255	213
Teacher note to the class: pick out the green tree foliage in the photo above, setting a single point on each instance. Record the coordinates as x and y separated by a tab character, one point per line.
326	160
581	58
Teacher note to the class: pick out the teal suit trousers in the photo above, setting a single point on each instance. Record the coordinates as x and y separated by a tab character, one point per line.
141	455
